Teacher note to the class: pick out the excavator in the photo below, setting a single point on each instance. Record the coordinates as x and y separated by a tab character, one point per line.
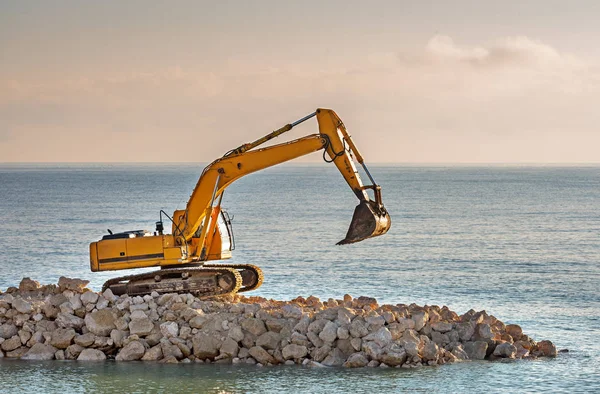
202	232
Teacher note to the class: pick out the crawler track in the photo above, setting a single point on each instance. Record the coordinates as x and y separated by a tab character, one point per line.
252	276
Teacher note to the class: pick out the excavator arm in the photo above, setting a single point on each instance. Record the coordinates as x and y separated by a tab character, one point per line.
370	217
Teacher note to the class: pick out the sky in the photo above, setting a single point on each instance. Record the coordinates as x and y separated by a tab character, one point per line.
186	81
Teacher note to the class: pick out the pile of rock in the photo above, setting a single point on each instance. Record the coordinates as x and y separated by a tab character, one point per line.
68	321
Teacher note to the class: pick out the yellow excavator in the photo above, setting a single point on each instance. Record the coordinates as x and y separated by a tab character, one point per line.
202	231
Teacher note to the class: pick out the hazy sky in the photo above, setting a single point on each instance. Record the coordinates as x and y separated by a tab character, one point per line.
414	81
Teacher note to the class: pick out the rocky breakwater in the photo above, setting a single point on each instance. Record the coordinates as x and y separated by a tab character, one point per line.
68	321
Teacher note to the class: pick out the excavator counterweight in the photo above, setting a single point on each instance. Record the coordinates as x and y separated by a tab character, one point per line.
202	231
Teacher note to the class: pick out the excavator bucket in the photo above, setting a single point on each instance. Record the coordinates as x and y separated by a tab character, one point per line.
369	220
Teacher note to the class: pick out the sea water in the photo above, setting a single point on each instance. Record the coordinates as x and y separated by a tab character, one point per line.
523	243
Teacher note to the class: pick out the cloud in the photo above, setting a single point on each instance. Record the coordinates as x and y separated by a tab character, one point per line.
481	100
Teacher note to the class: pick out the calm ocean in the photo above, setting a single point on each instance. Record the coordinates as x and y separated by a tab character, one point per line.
523	243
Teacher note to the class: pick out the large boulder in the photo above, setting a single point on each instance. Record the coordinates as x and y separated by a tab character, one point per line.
293	351
27	284
382	337
205	346
254	325
40	351
268	340
545	349
141	327
356	360
169	329
8	330
262	356
335	358
62	337
101	322
22	306
91	355
329	332
134	350
476	350
73	284
505	350
67	320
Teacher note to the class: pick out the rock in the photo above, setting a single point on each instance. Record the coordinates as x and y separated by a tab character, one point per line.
169	329
476	350
76	285
27	284
261	355
394	357
254	326
375	322
62	337
73	351
372	349
439	338
101	322
67	320
545	349
356	360
293	351
318	325
22	306
141	327
302	325
40	351
236	333
329	332
358	328
85	340
12	343
441	326
59	355
505	350
153	354
465	331
268	340
420	320
514	331
92	355
8	330
89	297
356	343
460	353
335	359
343	333
24	335
134	350
319	354
430	351
291	311
229	348
382	337
205	346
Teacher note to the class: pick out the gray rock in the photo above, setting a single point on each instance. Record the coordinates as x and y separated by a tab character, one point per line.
314	339
394	357
465	331
375	322
420	319
205	346
67	320
382	337
372	349
8	330
101	322
11	344
262	356
59	355
169	329
153	354
335	359
441	326
236	333
358	328
343	333
62	337
460	353
293	351
329	332
302	325
291	311
229	348
85	340
439	338
268	340
356	360
476	350
318	325
91	355
319	354
134	350
118	336
141	327
40	351
505	350
73	284
73	351
89	297
22	306
356	343
430	351
254	326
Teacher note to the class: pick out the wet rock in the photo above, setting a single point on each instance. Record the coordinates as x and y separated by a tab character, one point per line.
205	346
356	360
476	350
262	356
40	351
505	350
73	351
335	359
91	355
134	350
545	349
